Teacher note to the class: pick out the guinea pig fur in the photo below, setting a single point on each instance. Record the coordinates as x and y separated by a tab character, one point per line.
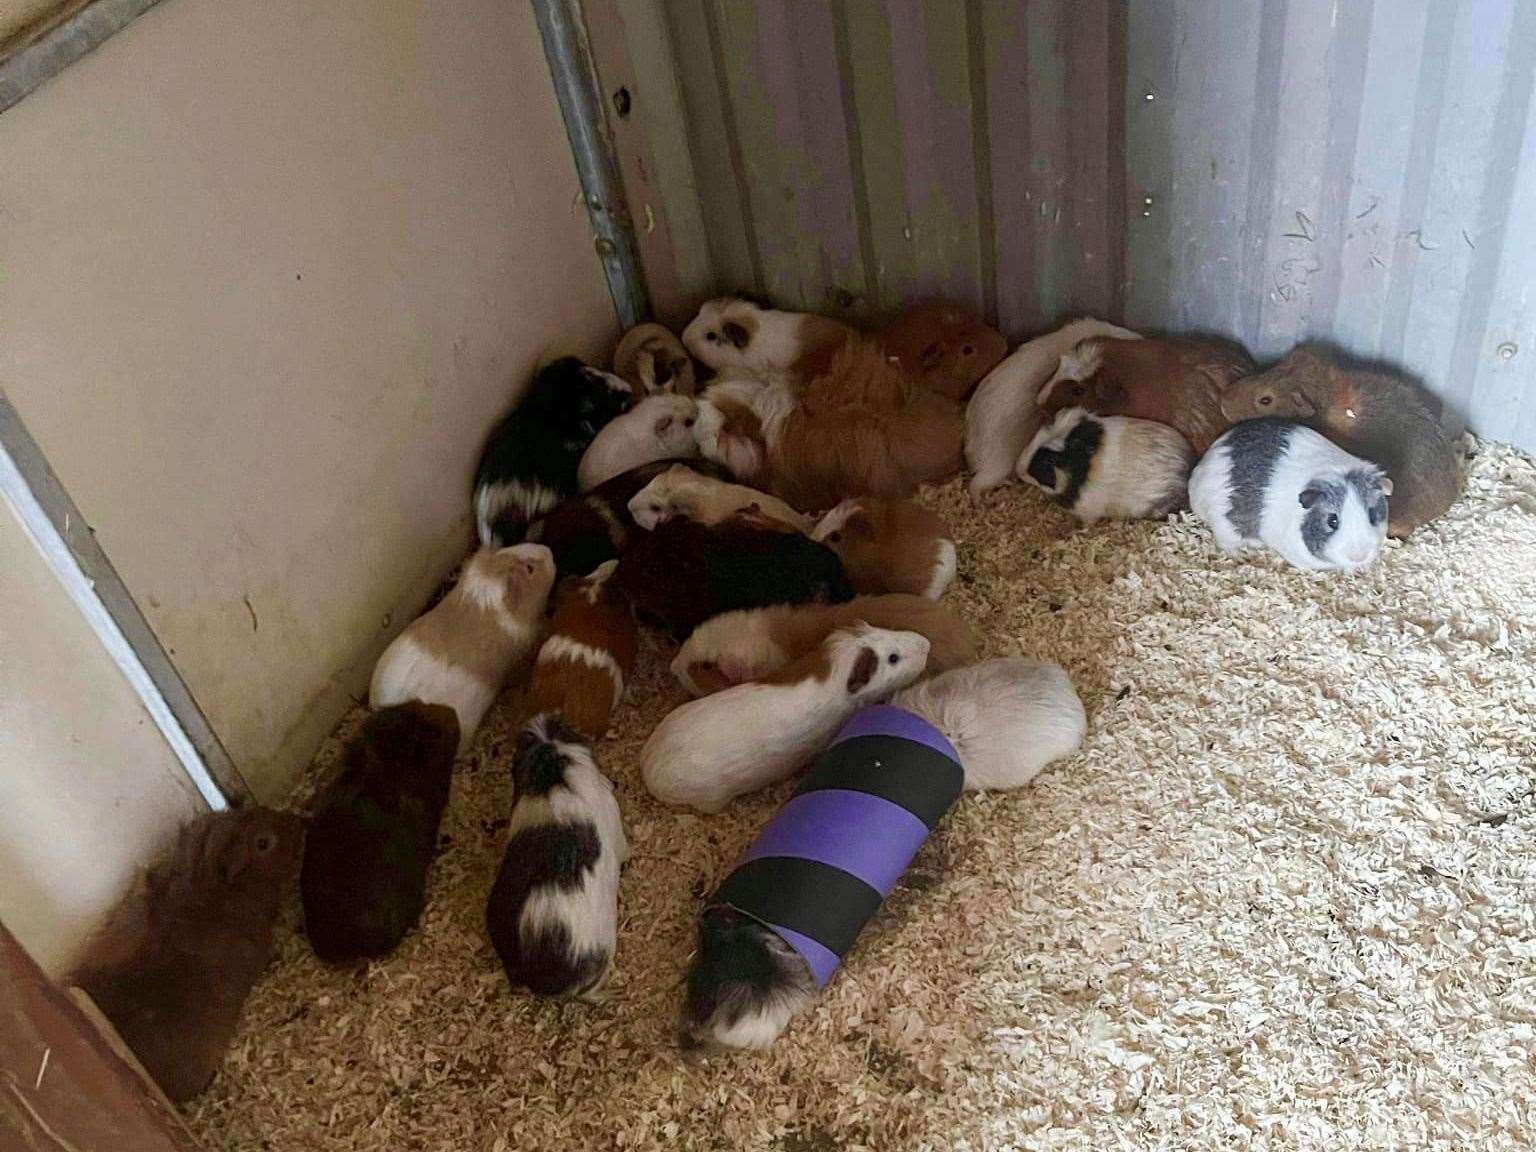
589	655
364	878
653	360
461	651
1001	418
530	460
946	348
656	428
738	647
1007	718
744	985
684	572
680	491
1371	414
173	964
553	912
709	751
1109	467
890	546
733	334
1278	483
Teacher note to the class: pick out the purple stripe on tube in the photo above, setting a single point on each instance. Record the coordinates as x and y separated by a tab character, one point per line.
820	959
888	720
854	832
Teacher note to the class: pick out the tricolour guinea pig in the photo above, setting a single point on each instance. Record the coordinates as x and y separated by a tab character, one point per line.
681	491
709	751
364	879
736	335
1001	418
529	462
1007	718
1177	382
1112	467
741	646
656	428
1278	483
890	546
1373	415
589	654
945	347
177	958
552	915
684	572
461	651
653	360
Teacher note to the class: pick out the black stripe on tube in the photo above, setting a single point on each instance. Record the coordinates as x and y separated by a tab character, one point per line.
773	889
910	775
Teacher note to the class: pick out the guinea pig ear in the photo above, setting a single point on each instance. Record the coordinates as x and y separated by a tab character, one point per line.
735	333
863	671
1304	407
1310	497
1385	484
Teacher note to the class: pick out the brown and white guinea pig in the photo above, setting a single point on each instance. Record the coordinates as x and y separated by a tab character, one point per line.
1174	381
1007	718
709	751
945	347
752	644
461	651
589	654
1109	467
372	842
175	961
654	360
684	572
553	912
656	428
681	491
890	546
733	335
744	986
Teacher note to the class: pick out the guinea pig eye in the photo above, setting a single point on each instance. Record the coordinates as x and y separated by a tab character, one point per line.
1333	522
712	337
893	658
265	843
968	351
835	537
1266	401
1079	391
688	423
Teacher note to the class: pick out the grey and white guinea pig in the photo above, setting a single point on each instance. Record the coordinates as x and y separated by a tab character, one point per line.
656	428
744	985
890	546
553	911
1109	467
1280	484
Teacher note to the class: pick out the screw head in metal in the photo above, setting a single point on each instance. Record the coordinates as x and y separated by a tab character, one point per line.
1507	350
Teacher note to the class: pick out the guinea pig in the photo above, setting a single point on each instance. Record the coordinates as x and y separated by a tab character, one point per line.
1278	483
586	530
734	334
530	460
684	572
589	655
364	878
890	546
1177	382
175	961
745	984
709	751
1374	415
656	428
681	491
553	912
461	651
653	360
755	643
946	348
1113	467
1007	718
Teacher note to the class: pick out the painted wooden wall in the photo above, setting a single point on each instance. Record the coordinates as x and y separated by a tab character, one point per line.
1359	170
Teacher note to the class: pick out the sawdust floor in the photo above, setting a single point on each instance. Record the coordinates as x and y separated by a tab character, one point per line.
1285	895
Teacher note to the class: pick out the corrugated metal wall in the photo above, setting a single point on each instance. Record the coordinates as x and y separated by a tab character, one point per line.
1271	169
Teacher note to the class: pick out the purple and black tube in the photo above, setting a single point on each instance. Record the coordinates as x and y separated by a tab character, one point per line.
827	860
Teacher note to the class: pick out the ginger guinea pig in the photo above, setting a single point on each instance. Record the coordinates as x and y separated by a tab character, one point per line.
653	360
588	657
890	546
946	348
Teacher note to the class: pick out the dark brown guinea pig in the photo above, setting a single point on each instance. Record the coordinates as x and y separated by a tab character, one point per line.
684	572
364	879
175	962
1374	415
945	347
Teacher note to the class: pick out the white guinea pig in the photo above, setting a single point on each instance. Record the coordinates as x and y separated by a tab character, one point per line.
734	334
1109	467
1278	483
1007	718
656	428
711	750
680	491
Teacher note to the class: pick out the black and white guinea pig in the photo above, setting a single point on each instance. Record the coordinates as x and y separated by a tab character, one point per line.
744	986
1280	484
1109	467
553	912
